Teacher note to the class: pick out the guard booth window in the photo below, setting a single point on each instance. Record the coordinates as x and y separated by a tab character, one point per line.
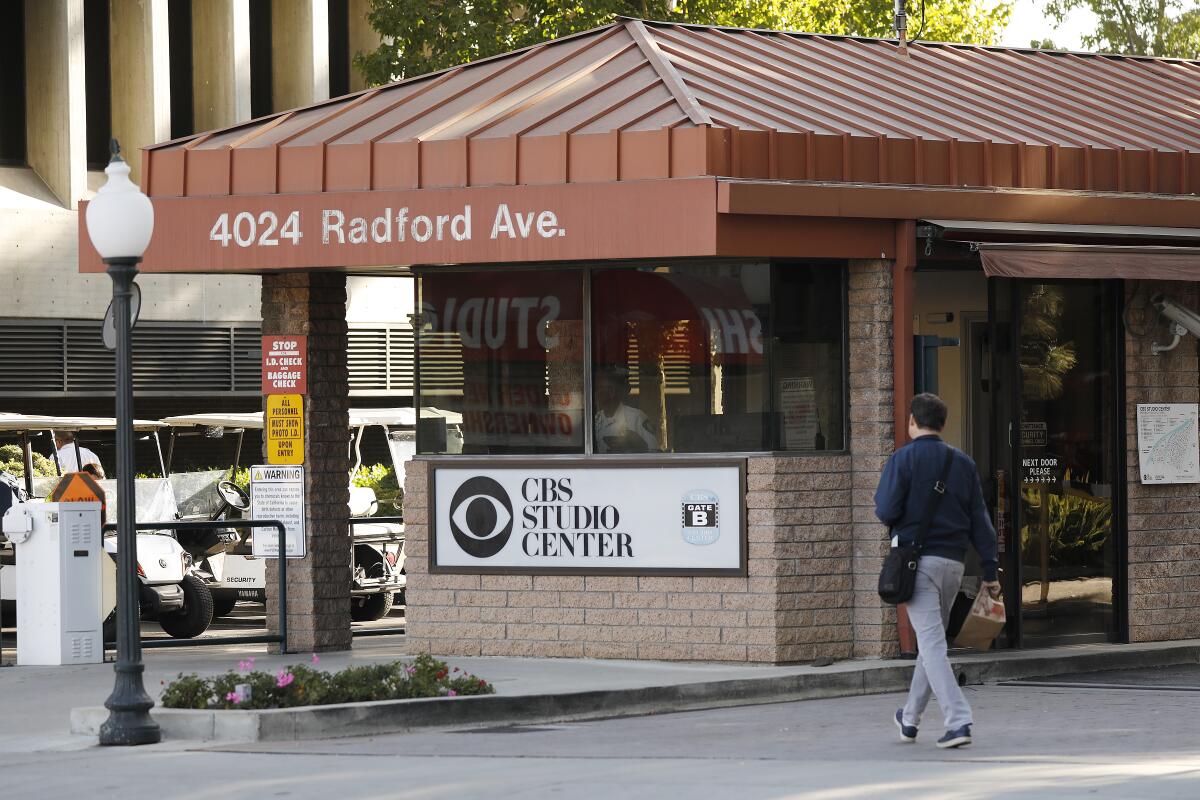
503	352
718	357
686	357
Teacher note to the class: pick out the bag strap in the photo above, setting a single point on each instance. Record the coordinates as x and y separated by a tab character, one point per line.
939	491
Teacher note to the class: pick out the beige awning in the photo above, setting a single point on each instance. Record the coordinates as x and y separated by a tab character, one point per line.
1047	261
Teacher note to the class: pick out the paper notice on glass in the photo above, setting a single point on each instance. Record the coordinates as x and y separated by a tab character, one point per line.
1168	446
798	401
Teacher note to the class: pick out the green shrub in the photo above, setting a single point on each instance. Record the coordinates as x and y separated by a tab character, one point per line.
382	479
12	461
303	685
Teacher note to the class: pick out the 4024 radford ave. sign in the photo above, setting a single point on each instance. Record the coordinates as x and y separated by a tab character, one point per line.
528	518
389	225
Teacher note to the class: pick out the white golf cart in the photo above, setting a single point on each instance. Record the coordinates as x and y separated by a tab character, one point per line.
225	559
171	591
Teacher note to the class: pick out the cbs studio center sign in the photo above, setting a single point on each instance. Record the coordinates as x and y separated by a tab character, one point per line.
594	518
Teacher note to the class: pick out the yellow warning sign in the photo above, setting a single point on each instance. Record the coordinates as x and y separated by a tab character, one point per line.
285	429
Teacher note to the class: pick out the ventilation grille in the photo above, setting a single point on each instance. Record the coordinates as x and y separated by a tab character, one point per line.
46	358
441	364
380	358
51	358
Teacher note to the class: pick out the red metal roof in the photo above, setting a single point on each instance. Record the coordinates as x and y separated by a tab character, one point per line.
652	100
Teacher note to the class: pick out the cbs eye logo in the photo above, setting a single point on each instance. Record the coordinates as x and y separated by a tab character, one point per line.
481	517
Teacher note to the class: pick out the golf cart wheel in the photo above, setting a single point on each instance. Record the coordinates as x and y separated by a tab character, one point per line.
223	603
197	612
373	607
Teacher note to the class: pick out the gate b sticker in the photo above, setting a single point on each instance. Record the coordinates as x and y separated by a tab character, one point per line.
285	429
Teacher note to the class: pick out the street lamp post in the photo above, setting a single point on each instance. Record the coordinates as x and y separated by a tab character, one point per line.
120	221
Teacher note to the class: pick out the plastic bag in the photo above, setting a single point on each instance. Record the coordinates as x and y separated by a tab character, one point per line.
984	623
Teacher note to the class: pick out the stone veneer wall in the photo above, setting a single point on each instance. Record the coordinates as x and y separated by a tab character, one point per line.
314	304
814	552
1164	520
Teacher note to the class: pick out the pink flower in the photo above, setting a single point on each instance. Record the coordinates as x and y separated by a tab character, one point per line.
284	679
247	665
233	697
315	660
452	693
411	670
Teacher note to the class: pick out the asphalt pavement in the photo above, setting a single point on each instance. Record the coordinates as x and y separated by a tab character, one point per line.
1031	742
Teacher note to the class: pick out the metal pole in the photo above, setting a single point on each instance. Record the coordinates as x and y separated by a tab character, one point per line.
27	453
129	720
283	642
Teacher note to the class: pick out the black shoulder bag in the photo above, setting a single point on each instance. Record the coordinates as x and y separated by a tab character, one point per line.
898	577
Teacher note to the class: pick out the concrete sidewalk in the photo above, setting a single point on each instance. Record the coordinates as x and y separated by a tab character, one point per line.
36	701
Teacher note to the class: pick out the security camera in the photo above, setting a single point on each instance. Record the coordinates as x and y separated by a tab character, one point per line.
1183	321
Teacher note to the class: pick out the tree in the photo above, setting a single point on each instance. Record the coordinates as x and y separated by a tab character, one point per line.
425	35
1137	27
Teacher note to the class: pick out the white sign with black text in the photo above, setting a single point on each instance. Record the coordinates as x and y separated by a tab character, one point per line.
591	518
277	492
1168	446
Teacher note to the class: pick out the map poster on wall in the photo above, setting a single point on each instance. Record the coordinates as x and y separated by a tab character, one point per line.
799	406
1168	447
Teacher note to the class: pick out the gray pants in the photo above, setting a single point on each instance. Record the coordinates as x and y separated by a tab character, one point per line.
938	580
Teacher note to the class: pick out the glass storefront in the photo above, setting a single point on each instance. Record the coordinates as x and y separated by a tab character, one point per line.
687	357
1067	462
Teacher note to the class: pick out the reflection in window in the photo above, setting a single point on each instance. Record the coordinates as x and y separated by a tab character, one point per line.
718	358
504	349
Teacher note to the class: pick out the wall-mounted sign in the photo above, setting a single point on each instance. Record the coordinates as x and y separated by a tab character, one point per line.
582	517
1168	447
285	429
285	365
1040	469
1034	434
799	405
277	493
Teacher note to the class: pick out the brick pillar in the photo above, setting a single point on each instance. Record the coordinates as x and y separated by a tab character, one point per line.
872	439
1164	520
314	304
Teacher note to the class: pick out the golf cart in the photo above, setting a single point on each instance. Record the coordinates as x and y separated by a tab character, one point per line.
171	591
226	560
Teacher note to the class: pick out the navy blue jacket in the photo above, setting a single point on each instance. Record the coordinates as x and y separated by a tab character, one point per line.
906	487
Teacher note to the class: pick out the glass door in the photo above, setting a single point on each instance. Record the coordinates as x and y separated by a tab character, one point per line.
1056	462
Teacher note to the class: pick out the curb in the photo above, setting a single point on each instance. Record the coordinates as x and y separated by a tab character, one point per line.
402	716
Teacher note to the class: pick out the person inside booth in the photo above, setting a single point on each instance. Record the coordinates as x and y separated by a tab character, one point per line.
619	426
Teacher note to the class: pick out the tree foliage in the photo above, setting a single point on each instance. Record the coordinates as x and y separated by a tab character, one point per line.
425	35
1136	27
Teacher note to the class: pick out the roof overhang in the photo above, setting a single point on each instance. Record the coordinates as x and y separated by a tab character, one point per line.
876	201
1096	262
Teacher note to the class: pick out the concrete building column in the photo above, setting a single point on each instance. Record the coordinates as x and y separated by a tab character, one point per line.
363	39
141	71
221	63
55	125
314	304
872	440
299	53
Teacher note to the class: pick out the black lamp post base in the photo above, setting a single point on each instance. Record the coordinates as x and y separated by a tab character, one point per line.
129	721
125	728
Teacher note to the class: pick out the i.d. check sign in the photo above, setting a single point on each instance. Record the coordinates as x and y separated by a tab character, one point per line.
285	429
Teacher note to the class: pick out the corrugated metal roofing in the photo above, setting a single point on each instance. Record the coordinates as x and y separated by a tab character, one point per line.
639	100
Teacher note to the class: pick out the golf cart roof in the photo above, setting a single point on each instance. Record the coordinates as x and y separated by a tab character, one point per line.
17	423
359	417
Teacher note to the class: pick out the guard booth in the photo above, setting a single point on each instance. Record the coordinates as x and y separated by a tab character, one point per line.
670	278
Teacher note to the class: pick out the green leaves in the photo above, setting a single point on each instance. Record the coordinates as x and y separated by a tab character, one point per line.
1137	27
423	36
425	676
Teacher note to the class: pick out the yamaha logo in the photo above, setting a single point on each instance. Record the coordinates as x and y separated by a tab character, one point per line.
481	517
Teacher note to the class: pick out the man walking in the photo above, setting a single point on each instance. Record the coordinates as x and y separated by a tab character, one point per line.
908	484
